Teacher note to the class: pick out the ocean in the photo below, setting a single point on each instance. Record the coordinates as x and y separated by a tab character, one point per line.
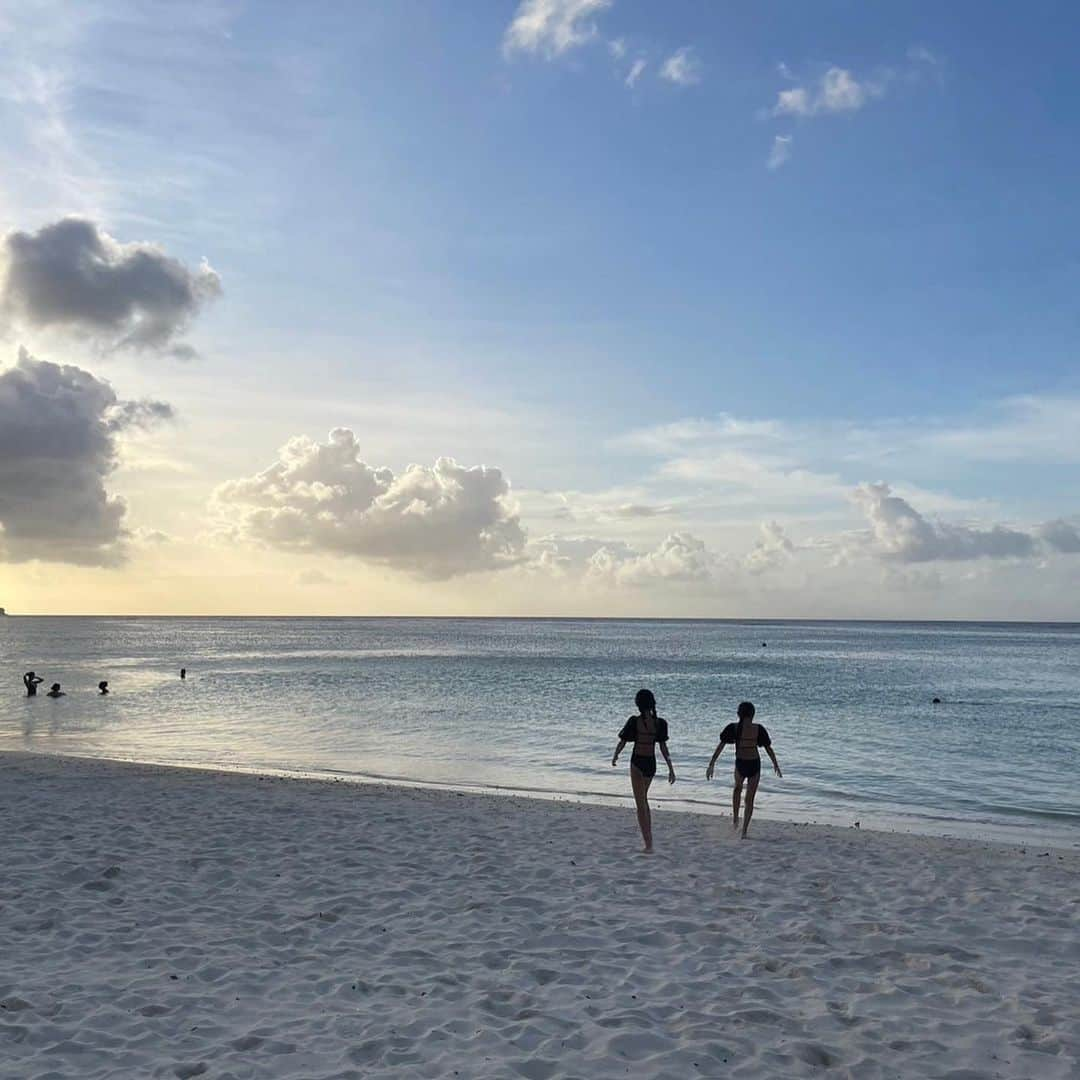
535	705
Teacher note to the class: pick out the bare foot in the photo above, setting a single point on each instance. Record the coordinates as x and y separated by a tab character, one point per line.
647	851
735	823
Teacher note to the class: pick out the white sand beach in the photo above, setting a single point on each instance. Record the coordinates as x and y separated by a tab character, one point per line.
161	922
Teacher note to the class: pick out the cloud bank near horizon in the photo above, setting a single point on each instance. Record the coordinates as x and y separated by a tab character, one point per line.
433	522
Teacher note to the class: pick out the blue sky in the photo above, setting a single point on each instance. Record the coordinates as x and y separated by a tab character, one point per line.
836	237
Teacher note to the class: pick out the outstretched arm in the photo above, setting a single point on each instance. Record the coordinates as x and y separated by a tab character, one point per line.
775	763
712	764
618	751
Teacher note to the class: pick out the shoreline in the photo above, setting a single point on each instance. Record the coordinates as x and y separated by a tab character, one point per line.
175	922
712	809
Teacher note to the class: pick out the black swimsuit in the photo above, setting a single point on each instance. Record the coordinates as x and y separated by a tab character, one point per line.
747	758
644	739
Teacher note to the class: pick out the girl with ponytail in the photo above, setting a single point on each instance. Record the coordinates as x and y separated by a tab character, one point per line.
747	737
646	731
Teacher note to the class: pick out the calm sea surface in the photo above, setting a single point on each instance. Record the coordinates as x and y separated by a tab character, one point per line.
535	705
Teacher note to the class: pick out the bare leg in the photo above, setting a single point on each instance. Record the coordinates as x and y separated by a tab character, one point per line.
736	796
640	784
751	791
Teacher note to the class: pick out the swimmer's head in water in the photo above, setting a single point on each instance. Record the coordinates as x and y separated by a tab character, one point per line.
745	710
103	686
55	686
645	702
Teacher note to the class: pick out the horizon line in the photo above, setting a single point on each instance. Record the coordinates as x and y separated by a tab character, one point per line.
569	618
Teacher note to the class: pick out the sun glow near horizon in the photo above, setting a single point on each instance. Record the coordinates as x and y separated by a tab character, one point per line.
295	335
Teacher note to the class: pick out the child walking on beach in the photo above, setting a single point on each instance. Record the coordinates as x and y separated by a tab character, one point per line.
646	731
747	738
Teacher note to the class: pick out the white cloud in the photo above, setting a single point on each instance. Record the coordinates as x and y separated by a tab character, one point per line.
617	48
73	277
553	27
637	69
59	427
1029	429
772	550
682	67
434	522
837	91
780	152
572	555
680	558
899	532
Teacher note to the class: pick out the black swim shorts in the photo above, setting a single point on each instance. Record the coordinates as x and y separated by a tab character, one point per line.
748	768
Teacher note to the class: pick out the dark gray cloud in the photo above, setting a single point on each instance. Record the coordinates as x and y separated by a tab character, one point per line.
435	522
58	445
1061	536
902	534
74	277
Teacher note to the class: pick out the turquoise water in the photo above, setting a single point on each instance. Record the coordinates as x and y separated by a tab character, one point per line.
535	705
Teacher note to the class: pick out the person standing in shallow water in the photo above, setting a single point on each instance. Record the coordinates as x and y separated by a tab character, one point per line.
32	682
747	737
646	731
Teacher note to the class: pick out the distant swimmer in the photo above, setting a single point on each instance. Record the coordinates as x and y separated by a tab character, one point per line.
936	701
746	737
646	731
103	687
764	644
55	691
183	673
32	682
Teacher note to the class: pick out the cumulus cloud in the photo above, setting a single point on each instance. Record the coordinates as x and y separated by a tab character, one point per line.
780	152
679	558
553	27
573	555
682	67
837	91
59	427
902	534
435	522
771	551
72	276
1061	536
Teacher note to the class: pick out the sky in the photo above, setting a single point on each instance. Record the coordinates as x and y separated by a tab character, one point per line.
554	307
